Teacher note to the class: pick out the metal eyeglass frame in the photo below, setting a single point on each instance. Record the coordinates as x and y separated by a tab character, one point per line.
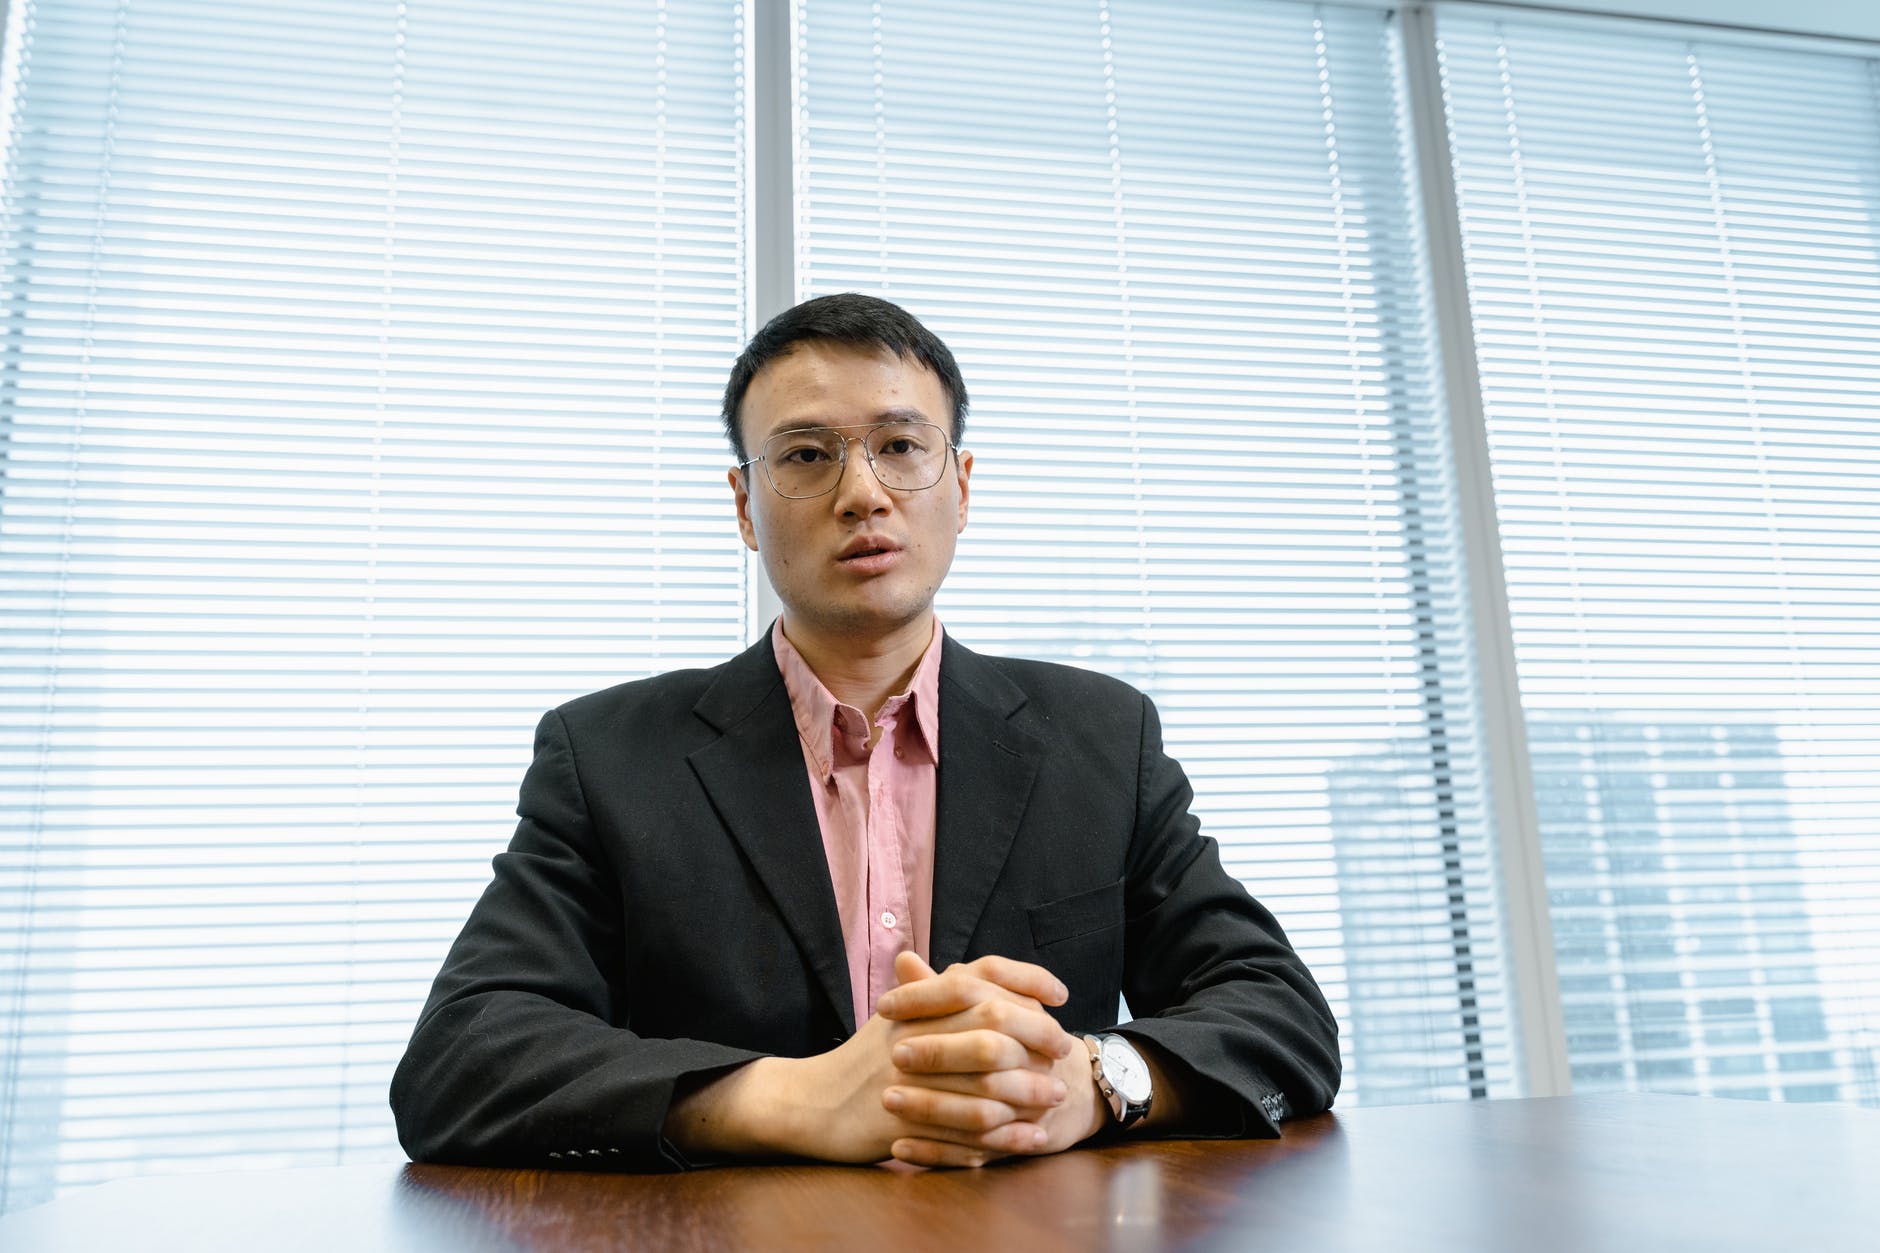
843	464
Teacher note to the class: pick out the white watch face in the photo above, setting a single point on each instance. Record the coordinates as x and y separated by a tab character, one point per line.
1124	1068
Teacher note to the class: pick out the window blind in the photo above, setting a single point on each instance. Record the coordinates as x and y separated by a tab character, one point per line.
361	363
1174	249
1672	260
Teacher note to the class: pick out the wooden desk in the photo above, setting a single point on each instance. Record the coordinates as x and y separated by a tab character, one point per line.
1575	1173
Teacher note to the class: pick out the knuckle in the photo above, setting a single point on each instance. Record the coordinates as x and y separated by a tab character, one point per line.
979	971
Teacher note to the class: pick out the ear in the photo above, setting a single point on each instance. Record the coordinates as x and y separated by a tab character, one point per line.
740	481
964	460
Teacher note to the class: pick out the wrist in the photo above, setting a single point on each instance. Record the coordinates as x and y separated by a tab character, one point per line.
768	1119
741	1113
1084	1106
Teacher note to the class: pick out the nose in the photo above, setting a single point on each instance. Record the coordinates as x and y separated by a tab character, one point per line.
858	491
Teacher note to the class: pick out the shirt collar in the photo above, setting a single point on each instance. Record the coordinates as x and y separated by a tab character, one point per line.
816	709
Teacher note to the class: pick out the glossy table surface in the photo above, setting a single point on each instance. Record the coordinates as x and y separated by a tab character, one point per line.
1581	1173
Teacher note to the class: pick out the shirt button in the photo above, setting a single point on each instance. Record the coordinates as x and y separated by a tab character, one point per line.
887	919
899	752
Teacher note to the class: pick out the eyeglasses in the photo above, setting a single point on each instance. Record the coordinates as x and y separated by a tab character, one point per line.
905	456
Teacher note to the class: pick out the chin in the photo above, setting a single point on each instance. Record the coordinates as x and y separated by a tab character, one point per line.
861	620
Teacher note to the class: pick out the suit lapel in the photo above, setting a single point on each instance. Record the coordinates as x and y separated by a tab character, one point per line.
987	767
755	778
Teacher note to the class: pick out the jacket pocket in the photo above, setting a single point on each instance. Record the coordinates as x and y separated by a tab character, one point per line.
1083	914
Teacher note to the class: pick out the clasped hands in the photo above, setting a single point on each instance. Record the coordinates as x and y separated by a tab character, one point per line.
975	1068
953	1069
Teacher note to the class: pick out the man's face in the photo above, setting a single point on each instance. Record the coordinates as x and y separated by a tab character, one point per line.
862	560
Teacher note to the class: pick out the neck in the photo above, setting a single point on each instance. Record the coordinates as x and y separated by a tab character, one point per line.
863	671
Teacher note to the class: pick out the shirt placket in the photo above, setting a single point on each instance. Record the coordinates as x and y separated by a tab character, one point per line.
848	781
890	927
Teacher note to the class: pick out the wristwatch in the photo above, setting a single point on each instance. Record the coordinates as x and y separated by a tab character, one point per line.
1122	1076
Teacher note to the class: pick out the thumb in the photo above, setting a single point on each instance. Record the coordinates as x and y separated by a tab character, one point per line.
909	968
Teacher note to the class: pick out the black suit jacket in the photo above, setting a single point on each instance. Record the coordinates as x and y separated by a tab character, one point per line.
665	913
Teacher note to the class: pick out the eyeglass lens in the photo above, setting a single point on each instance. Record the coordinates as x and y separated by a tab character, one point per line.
906	456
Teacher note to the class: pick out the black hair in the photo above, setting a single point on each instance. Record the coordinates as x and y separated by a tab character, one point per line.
852	319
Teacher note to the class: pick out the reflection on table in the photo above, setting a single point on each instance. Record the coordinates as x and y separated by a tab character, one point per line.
1573	1173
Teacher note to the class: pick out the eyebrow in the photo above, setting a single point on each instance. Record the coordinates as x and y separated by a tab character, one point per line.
899	413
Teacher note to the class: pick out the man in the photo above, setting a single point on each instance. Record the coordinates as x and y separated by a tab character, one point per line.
859	892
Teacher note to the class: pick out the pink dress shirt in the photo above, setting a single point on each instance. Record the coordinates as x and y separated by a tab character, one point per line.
876	810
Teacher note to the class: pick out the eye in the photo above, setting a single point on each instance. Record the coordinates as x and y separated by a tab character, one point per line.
800	450
903	443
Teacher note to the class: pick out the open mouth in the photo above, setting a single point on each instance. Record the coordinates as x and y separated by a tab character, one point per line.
870	558
867	548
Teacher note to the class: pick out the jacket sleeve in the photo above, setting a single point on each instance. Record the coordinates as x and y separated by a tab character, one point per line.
1210	975
515	1060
